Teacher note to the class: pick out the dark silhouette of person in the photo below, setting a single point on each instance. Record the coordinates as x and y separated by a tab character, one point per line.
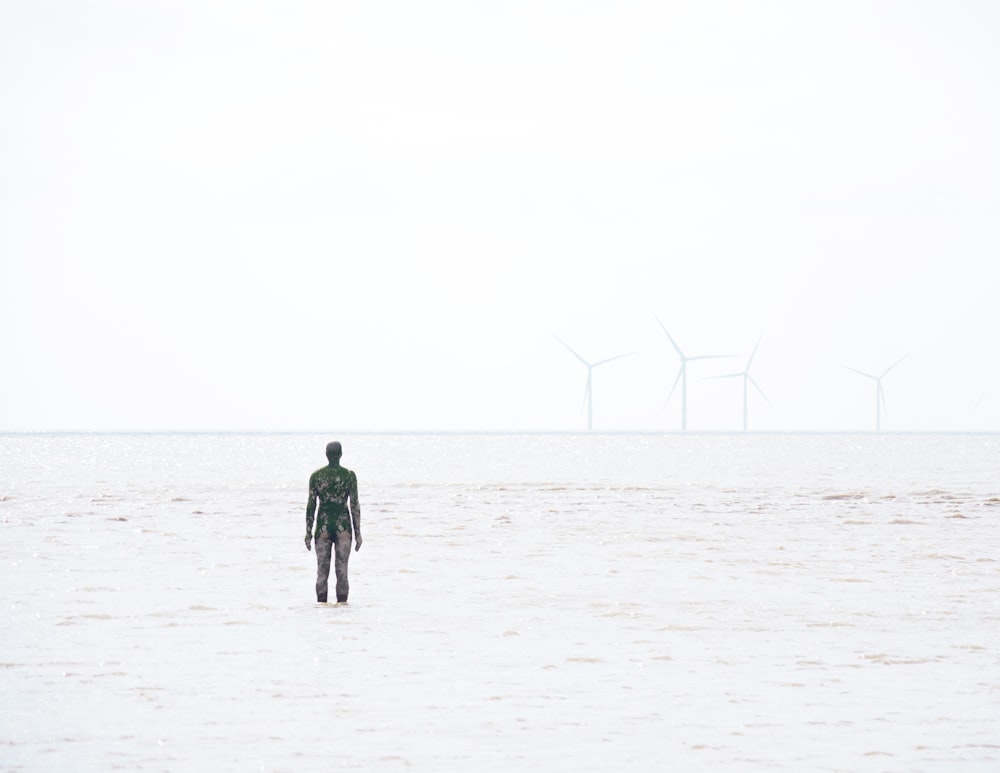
336	490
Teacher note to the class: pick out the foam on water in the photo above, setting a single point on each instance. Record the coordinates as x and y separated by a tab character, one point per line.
543	602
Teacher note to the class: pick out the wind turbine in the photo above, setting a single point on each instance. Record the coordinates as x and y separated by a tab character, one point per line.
588	394
682	374
879	392
747	380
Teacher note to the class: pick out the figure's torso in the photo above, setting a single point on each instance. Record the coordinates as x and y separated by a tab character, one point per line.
332	486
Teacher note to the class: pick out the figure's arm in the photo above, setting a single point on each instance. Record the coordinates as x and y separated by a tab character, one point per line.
310	516
355	511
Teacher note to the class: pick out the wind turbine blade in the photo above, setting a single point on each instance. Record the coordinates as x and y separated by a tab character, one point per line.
754	352
881	396
672	341
757	387
674	386
572	352
862	373
616	357
893	365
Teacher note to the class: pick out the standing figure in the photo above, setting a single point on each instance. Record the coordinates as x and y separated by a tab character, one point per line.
336	489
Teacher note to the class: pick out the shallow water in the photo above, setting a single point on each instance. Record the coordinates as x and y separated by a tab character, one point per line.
565	602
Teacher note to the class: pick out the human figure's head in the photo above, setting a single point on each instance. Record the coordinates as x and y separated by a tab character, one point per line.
334	452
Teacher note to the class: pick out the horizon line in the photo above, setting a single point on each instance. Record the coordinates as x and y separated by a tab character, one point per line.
575	432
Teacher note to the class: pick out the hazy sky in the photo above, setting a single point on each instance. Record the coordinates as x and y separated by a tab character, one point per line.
228	214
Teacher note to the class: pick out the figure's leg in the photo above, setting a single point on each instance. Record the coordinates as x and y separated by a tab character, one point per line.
323	546
342	555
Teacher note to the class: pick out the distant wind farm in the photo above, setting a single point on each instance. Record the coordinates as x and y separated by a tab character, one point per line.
749	383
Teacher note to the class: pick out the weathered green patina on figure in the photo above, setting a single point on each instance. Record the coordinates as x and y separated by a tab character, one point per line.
335	489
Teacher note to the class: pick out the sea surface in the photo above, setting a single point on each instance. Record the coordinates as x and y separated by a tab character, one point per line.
580	602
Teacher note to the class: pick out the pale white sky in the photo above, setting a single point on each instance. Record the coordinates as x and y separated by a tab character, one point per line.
228	214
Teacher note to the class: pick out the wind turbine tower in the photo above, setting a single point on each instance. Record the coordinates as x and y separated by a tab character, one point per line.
588	394
682	374
747	380
879	392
